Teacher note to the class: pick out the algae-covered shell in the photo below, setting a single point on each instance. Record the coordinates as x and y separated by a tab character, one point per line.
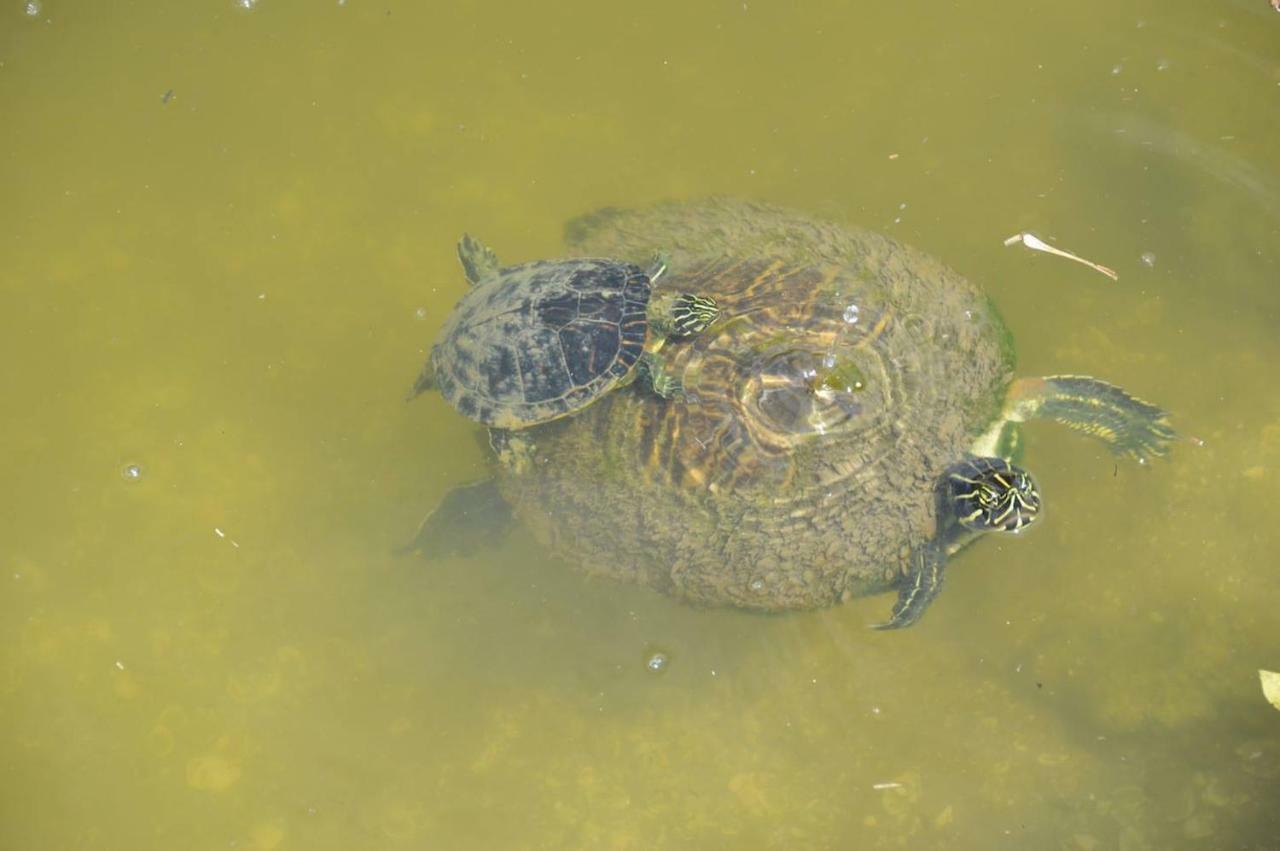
846	373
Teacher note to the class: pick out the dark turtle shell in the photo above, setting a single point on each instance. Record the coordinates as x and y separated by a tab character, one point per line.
541	340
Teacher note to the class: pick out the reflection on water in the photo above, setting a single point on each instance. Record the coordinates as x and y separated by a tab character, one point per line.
228	238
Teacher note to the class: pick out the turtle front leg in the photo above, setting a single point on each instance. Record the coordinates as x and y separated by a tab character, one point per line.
1130	426
919	587
514	449
653	372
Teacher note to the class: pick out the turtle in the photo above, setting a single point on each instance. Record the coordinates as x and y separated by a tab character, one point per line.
530	343
850	423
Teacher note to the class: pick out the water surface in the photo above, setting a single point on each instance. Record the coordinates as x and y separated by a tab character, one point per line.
227	240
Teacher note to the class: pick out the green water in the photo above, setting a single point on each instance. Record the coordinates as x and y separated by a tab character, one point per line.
226	240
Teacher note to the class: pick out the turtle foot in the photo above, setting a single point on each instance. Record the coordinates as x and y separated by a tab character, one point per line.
664	384
470	519
1131	427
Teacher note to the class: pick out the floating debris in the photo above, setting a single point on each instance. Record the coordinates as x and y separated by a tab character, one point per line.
1034	242
882	786
1270	679
166	97
223	535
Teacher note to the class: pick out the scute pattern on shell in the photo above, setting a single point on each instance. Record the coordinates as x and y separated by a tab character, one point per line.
541	340
774	486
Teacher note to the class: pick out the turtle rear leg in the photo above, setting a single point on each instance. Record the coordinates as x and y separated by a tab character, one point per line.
658	265
471	518
477	259
919	587
1129	426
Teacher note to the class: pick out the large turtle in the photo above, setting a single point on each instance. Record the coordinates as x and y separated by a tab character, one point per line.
530	343
849	423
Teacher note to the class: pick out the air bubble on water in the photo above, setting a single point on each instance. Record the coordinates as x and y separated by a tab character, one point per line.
32	8
131	472
1162	65
246	4
1116	69
420	313
656	662
851	314
1148	259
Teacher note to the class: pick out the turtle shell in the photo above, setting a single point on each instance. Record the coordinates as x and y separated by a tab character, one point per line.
846	374
540	340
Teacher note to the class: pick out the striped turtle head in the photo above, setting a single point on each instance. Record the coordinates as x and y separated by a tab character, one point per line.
991	495
691	314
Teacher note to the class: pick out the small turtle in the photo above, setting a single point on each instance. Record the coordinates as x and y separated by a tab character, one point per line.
856	423
534	342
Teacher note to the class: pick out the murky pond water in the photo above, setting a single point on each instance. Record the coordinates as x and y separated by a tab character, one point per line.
227	239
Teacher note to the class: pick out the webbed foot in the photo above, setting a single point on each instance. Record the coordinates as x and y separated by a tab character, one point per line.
477	259
471	518
663	383
1131	427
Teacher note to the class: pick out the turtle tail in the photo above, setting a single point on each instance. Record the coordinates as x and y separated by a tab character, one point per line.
426	381
1131	427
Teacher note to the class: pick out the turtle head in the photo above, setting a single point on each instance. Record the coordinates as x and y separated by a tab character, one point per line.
991	495
678	315
691	314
